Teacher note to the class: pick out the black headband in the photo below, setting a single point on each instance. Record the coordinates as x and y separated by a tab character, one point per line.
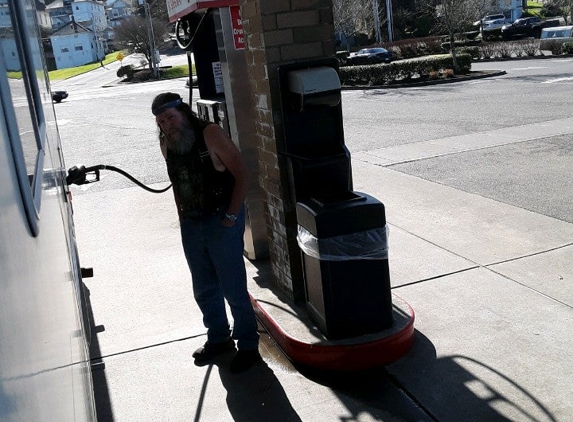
158	110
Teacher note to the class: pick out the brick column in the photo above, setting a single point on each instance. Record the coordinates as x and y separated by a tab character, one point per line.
279	32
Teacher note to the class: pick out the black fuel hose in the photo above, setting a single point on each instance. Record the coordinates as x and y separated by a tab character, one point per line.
77	176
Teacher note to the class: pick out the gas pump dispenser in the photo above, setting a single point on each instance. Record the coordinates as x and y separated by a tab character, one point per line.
196	34
211	31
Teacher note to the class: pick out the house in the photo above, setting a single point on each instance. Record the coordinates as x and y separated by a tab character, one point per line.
8	46
91	14
60	12
512	9
44	19
117	10
74	45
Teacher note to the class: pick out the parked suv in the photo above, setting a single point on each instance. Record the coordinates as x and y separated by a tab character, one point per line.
528	27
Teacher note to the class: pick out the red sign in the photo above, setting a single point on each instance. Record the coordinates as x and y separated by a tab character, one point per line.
179	8
237	25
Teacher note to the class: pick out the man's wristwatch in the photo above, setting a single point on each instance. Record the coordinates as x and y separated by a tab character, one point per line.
231	217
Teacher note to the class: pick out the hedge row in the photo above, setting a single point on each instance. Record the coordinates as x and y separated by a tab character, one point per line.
381	74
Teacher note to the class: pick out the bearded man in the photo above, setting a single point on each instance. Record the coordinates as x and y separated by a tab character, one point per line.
209	179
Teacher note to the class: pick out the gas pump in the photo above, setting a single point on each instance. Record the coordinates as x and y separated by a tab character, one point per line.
211	30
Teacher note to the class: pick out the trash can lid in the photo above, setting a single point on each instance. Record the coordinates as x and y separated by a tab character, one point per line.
352	213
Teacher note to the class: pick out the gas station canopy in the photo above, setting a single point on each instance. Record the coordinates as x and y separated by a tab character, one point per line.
179	8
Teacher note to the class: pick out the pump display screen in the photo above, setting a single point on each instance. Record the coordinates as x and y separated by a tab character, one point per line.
178	8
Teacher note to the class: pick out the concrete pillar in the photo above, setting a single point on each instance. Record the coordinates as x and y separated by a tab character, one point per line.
279	32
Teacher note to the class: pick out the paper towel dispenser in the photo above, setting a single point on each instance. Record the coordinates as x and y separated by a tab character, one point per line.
314	87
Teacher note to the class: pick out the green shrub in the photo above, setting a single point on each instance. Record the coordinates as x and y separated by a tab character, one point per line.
142	75
555	47
381	74
127	71
414	47
568	48
473	51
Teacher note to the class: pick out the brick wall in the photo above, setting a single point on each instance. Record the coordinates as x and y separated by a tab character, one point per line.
281	32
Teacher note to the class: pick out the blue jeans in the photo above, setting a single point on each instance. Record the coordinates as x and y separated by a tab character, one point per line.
215	256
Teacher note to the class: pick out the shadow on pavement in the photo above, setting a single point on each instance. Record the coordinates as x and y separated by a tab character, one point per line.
101	391
255	395
459	388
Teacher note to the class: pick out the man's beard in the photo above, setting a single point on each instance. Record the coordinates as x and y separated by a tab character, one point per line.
181	141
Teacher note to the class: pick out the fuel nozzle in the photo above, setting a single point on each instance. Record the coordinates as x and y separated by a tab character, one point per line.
81	175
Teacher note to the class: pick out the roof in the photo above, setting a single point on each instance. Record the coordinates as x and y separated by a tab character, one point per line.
558	28
71	27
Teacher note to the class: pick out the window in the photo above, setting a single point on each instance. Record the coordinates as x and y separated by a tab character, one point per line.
21	76
79	48
65	50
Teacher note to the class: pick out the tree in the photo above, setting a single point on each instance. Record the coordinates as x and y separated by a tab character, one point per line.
133	36
352	16
456	16
558	8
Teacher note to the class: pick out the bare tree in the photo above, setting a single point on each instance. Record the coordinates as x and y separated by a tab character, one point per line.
456	16
560	7
133	36
352	16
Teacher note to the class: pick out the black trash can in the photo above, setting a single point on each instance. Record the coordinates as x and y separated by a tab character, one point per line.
343	238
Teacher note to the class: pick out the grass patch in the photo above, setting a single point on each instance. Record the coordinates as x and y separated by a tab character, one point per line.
176	71
534	8
62	74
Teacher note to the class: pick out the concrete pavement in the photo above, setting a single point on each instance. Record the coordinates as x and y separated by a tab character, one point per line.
491	284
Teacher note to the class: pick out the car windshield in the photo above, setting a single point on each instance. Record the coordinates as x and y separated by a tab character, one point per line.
371	51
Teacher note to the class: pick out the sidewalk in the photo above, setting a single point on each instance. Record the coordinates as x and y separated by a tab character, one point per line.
490	285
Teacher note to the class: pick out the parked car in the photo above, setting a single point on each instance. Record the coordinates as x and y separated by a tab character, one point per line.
491	18
493	24
492	29
555	36
520	28
58	96
370	56
528	27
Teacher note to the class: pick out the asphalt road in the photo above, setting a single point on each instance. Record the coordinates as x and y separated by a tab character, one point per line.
114	126
531	171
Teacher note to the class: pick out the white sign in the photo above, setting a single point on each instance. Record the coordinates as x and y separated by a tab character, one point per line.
218	76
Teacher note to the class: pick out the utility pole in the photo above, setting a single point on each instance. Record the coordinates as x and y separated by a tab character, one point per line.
376	21
151	36
390	24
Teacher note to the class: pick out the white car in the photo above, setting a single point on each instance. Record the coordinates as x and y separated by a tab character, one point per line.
493	24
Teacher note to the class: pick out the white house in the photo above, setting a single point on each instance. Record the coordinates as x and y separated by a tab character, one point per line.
90	11
75	45
512	9
43	15
5	21
117	10
60	12
8	46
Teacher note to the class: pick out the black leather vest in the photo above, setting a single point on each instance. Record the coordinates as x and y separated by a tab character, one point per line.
200	190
